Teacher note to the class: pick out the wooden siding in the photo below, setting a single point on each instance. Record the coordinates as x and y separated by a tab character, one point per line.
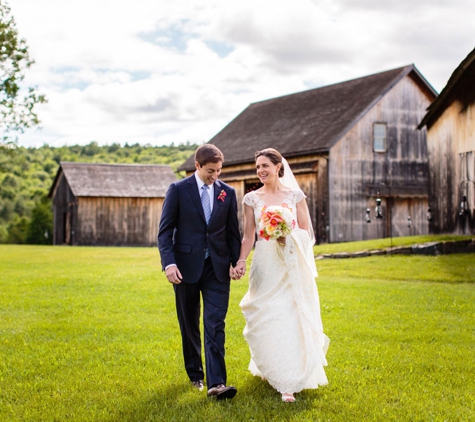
64	213
451	135
118	221
400	175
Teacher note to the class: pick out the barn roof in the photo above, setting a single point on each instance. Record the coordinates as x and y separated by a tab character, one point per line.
459	87
306	122
116	180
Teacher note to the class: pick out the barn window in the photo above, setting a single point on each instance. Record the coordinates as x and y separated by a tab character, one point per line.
379	137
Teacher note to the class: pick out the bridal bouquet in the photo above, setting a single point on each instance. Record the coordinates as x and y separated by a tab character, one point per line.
275	221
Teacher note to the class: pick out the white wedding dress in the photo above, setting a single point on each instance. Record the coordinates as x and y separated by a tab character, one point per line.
282	309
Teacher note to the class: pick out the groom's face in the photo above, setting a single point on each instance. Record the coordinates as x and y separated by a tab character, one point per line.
210	172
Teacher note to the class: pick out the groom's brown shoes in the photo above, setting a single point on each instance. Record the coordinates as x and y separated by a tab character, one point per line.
222	392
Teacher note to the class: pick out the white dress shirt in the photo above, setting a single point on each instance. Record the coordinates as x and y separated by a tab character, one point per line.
200	184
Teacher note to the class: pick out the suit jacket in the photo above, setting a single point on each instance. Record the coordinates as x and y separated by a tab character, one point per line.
184	236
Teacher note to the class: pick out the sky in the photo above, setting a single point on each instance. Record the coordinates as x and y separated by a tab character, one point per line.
173	71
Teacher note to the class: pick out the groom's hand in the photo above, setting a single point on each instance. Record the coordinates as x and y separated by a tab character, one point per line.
233	274
173	274
240	269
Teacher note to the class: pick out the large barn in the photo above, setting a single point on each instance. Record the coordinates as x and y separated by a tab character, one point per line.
450	123
108	204
349	144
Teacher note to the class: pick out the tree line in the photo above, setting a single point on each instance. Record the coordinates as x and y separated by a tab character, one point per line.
27	174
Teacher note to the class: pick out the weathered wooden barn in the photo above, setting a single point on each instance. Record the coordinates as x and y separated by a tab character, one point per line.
450	123
348	144
108	204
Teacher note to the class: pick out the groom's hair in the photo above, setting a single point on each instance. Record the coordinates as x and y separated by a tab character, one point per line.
208	153
274	156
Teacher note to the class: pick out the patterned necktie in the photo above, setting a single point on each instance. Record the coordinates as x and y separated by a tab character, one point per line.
206	202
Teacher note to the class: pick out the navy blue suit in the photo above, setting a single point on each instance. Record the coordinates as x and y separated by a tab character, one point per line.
183	238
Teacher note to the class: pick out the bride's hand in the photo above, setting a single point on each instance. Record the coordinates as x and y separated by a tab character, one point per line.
281	240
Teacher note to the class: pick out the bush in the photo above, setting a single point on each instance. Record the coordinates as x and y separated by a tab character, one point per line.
40	227
6	209
3	233
17	230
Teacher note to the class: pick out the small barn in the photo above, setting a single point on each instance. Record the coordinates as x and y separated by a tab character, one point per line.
450	124
349	145
108	204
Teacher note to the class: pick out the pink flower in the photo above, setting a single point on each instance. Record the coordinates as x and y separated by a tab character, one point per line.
222	195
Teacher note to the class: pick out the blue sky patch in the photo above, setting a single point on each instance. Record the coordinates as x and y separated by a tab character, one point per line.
173	37
220	48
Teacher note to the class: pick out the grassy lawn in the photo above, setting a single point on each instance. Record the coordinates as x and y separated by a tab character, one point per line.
90	334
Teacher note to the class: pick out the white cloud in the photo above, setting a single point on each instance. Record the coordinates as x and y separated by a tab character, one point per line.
175	71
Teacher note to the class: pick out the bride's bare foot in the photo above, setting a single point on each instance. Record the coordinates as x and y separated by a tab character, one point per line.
288	397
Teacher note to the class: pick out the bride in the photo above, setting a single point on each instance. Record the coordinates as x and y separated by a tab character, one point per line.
281	307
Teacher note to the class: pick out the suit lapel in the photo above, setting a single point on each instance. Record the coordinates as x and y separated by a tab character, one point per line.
216	188
195	196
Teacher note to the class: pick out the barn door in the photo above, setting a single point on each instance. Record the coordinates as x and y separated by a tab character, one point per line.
67	228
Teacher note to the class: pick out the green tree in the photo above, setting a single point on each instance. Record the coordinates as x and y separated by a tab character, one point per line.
17	103
40	227
6	209
17	230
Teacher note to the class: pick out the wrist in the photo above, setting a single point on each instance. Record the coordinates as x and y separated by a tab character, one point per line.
240	260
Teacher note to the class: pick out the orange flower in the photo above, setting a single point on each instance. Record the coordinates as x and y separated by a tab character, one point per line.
274	221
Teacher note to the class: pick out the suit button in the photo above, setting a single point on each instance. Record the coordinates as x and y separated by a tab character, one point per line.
207	234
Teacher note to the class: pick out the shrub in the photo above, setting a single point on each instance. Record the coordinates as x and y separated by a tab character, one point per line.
17	230
40	227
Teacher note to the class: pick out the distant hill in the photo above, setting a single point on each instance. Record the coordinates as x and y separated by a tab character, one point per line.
26	175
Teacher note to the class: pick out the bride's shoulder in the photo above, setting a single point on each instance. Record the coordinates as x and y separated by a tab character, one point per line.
296	195
251	198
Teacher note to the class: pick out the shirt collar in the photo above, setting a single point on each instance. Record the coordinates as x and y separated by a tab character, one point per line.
199	182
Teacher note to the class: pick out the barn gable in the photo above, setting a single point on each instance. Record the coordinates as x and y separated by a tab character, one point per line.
459	88
307	122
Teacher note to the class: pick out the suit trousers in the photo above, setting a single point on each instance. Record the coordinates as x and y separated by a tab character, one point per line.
215	307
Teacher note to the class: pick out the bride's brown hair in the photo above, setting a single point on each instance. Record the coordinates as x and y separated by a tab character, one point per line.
274	156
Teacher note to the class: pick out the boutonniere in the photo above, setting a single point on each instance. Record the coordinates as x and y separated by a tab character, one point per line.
222	195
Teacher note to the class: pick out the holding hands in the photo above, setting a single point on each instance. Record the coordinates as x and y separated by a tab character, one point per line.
239	270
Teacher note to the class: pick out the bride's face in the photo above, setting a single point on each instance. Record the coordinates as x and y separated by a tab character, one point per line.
267	171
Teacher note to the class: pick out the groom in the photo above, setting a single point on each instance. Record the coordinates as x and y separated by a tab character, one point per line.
199	243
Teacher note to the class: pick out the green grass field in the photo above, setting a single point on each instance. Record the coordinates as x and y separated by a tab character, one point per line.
90	334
